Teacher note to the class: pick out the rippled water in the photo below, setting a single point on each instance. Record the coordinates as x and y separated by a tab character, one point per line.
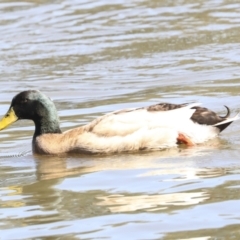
92	57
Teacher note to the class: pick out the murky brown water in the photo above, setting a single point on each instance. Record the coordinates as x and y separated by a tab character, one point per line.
93	57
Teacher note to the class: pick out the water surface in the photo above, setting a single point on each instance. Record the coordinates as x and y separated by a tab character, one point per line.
92	57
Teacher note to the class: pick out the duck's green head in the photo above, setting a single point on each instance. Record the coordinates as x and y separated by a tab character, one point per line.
32	105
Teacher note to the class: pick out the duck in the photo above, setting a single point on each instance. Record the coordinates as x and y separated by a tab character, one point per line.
156	127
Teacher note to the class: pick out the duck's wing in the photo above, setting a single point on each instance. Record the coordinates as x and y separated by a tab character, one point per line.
127	121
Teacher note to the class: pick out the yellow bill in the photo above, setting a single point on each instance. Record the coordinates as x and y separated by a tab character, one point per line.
9	118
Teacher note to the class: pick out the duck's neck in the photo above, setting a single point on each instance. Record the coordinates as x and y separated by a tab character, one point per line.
45	117
44	126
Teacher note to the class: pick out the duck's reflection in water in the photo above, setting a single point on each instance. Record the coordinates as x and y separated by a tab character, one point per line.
167	166
155	202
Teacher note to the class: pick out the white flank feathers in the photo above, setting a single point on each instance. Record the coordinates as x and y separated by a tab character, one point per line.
136	129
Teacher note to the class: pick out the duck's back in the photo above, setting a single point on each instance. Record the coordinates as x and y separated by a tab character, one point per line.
127	121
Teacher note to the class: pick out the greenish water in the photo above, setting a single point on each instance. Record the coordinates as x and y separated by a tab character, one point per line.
92	57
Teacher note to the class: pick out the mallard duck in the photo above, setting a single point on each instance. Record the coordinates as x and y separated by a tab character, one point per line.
159	126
